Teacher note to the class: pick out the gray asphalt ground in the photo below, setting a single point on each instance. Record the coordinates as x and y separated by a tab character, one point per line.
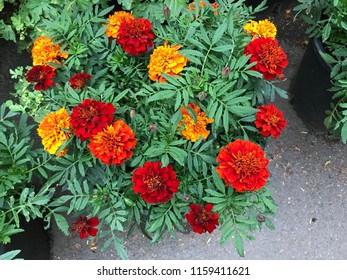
309	176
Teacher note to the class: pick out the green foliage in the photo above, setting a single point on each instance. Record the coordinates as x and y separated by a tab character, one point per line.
22	25
18	198
327	21
9	255
83	185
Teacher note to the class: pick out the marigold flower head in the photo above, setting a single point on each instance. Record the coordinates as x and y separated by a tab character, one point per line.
243	166
165	59
135	36
202	4
42	75
85	226
45	51
113	144
270	57
90	117
261	29
79	80
202	219
192	130
156	184
269	121
191	6
114	22
52	130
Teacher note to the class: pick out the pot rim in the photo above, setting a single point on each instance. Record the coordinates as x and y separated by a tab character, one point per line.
319	47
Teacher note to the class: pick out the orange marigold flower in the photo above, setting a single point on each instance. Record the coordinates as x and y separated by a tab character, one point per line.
191	6
261	29
52	130
214	6
165	59
269	121
194	130
45	51
243	166
270	57
114	22
113	144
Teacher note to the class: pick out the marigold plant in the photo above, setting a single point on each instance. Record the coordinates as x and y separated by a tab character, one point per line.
165	132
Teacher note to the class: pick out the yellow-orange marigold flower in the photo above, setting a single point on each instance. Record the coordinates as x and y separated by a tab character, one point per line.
114	22
191	130
165	59
261	29
45	51
113	144
52	130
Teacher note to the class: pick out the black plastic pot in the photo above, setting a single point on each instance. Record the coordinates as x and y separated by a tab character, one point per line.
310	87
34	242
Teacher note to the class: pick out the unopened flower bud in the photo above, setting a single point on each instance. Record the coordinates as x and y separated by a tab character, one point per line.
153	127
202	95
225	72
166	12
132	113
260	218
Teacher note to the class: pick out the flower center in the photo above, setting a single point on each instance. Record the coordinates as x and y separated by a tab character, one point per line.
270	56
203	217
245	164
81	225
273	119
153	183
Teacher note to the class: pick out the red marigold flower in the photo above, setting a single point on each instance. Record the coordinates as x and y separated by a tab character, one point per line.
79	80
42	75
269	121
201	219
85	226
270	57
243	166
90	117
135	36
156	184
113	144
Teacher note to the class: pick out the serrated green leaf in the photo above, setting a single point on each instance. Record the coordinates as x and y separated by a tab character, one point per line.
61	223
156	224
219	33
218	181
238	243
344	133
10	255
214	200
